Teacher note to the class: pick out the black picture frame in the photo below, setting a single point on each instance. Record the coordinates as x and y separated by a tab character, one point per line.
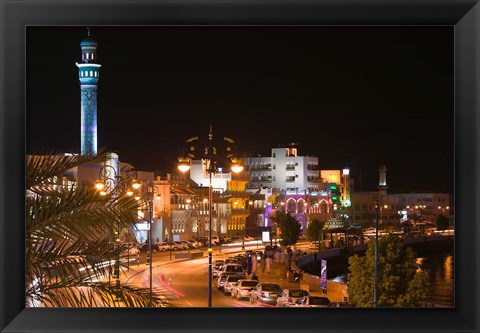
17	15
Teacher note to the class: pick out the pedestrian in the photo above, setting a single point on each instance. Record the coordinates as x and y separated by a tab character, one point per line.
249	264
345	294
262	262
254	263
268	263
288	257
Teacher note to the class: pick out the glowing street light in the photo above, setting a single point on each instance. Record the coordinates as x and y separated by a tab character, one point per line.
210	156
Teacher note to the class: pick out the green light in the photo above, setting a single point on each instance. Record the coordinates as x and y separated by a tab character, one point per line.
333	187
335	198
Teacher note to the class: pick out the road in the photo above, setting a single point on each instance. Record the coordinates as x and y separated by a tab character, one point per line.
184	283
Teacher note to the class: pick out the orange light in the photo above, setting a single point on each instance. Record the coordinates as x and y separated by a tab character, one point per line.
183	164
237	165
99	185
136	185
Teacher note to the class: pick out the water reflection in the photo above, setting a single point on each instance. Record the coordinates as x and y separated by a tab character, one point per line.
439	268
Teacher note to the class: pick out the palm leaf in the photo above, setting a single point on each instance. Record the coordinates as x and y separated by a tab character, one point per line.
69	243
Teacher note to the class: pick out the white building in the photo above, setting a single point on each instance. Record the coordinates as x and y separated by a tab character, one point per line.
284	170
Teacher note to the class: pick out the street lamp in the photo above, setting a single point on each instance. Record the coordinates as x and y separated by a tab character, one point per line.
210	157
111	181
375	286
149	193
443	208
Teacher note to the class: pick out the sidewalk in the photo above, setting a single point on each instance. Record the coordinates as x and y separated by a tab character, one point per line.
278	274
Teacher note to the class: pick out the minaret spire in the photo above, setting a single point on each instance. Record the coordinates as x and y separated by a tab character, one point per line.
89	74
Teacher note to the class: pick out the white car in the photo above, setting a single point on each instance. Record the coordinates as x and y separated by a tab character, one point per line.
290	296
133	251
163	246
243	288
231	282
312	302
221	279
217	267
215	240
233	268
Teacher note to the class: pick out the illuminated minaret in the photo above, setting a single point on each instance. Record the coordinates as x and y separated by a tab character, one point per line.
346	188
382	181
88	73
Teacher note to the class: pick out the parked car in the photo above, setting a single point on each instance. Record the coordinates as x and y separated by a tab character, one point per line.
230	282
242	288
222	277
187	244
215	240
217	267
226	238
265	292
231	261
181	246
340	305
174	246
202	241
194	243
234	268
290	296
312	302
130	244
132	251
163	246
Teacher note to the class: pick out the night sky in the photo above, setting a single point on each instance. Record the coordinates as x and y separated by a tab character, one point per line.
353	96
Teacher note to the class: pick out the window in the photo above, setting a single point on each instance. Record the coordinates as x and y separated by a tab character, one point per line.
96	74
81	73
91	74
274	155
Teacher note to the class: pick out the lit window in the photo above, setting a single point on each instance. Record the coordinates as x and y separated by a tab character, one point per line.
96	74
87	55
91	74
81	73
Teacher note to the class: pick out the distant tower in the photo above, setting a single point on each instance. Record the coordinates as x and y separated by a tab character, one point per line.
382	181
346	188
88	73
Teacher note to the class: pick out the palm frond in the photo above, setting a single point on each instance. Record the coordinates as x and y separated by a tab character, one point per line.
42	168
70	246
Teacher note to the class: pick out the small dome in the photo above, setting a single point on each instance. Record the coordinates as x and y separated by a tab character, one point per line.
88	41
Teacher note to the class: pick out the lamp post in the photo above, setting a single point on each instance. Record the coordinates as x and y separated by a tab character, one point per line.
111	181
149	193
210	157
375	286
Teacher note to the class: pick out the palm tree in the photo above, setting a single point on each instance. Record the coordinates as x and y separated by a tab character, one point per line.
68	238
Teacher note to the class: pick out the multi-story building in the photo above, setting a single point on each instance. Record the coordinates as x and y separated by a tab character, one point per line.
284	170
295	184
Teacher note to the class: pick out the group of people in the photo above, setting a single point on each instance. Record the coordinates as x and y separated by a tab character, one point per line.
274	253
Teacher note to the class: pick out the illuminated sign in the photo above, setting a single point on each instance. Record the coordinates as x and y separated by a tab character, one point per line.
266	236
